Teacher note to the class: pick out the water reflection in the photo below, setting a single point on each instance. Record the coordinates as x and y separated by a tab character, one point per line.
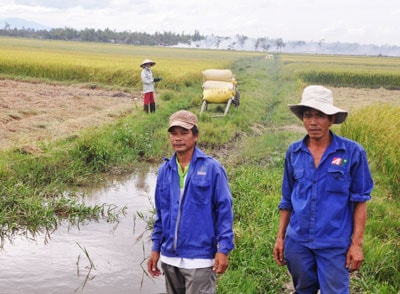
98	257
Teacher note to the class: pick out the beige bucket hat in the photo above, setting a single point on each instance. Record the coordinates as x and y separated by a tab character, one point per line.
147	61
184	119
319	98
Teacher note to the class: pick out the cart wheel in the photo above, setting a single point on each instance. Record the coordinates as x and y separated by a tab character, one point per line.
203	106
236	100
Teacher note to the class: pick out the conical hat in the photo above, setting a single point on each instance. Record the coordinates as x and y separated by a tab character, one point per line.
147	61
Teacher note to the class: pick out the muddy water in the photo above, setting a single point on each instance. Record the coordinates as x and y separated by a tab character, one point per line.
117	252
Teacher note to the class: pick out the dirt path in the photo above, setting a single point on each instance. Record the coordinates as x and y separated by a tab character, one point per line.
33	112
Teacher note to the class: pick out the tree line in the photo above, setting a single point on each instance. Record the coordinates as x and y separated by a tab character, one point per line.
104	36
134	38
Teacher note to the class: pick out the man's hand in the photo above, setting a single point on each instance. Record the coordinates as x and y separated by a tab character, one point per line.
220	263
152	267
279	255
354	257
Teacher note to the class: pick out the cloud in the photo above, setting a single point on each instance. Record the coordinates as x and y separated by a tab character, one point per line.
368	22
62	4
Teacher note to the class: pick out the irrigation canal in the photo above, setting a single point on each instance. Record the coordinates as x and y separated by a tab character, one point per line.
97	257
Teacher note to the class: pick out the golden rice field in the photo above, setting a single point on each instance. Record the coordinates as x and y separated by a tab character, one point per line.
376	127
108	64
351	71
118	65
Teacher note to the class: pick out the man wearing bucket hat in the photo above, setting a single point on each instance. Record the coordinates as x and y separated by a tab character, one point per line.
323	212
148	85
193	232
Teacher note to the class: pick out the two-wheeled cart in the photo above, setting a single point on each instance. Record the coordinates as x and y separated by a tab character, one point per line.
219	87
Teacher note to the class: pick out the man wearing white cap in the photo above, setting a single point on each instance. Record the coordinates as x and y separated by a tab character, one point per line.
326	185
193	229
148	85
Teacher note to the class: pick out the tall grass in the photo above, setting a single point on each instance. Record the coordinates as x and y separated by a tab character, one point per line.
255	175
375	127
256	195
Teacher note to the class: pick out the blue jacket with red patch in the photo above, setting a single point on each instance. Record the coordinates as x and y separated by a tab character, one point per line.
322	199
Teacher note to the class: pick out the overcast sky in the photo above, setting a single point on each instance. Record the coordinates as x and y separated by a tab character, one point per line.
359	21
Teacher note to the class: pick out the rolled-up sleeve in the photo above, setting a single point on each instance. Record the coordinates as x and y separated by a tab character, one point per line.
362	184
287	185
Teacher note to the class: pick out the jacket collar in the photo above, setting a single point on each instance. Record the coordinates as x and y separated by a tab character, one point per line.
336	144
197	153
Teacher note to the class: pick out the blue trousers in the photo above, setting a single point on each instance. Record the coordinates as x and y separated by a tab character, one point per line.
317	269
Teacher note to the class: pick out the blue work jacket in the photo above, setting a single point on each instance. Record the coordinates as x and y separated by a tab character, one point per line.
322	199
203	217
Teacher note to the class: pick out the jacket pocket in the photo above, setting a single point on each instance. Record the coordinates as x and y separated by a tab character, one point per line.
300	184
336	181
164	197
298	174
201	192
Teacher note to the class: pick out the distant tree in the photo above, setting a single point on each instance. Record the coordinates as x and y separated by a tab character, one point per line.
262	43
88	35
299	43
320	43
106	36
70	34
241	39
197	36
279	44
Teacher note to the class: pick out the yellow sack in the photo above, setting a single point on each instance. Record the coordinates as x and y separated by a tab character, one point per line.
218	95
224	75
218	84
